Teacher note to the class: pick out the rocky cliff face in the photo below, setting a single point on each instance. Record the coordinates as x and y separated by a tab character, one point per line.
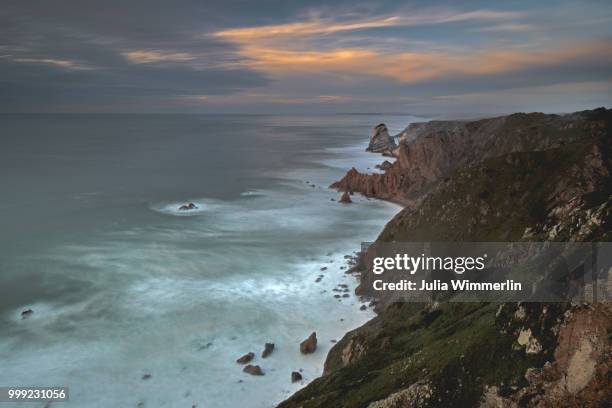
380	141
430	152
556	185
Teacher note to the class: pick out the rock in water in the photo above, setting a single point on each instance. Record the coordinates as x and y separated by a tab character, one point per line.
26	313
309	345
380	141
246	358
187	207
268	349
296	376
253	370
346	198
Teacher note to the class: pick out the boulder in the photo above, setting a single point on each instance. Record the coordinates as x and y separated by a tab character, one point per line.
380	141
309	345
253	370
246	358
346	198
268	349
187	207
296	376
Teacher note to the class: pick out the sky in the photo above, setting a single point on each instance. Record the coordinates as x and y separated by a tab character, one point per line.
224	56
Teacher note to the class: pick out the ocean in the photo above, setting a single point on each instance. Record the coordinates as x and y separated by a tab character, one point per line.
123	285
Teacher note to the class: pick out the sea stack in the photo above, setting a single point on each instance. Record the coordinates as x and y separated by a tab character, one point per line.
380	141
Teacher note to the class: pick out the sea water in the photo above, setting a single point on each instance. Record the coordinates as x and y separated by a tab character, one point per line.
123	284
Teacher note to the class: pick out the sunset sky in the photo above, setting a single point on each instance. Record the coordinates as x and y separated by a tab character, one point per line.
446	58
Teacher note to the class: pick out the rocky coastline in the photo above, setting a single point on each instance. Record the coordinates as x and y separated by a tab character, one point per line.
526	176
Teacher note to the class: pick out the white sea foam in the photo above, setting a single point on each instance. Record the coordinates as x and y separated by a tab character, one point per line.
173	208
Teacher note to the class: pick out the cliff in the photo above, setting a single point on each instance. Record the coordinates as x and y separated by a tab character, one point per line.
554	184
429	152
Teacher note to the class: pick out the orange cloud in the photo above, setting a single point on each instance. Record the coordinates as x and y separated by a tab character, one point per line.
414	66
149	56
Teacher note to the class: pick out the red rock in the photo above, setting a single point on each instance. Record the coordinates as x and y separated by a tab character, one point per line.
253	370
309	345
246	358
346	198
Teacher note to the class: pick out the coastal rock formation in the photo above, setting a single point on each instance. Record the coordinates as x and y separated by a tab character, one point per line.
380	141
555	184
253	370
430	152
268	349
296	376
309	345
346	198
246	358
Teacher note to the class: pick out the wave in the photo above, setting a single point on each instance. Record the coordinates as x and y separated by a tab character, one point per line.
173	208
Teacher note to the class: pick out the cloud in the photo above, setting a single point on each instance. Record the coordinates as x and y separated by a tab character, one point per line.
250	97
150	56
67	64
412	67
328	26
510	27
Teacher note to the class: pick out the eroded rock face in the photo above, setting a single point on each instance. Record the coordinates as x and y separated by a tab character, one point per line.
415	396
579	374
380	141
309	345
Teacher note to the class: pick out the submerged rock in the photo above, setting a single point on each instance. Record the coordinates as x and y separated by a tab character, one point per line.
268	349
309	345
346	198
146	377
187	207
296	376
27	313
253	370
246	358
